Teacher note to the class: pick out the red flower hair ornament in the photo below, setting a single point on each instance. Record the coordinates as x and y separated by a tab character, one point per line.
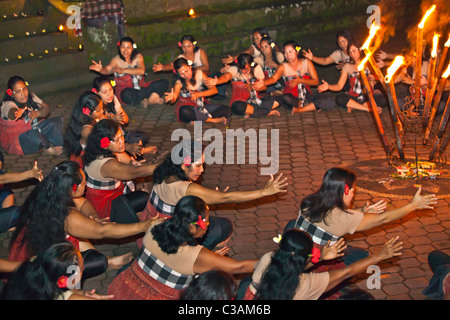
104	142
315	255
74	187
86	111
187	161
94	90
9	92
346	189
62	282
201	222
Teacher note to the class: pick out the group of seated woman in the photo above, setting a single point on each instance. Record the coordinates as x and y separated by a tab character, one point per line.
86	198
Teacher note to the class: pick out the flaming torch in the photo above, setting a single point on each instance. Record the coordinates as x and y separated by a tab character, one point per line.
366	48
393	105
445	115
372	103
430	92
419	49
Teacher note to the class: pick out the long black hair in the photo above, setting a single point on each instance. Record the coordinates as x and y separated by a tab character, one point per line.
169	167
97	84
210	285
43	215
294	44
78	119
318	205
281	278
174	232
37	279
274	49
245	59
9	86
105	128
135	51
356	45
345	34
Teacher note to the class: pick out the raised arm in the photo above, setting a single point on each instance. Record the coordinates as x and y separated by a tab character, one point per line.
124	172
11	177
211	196
334	87
419	202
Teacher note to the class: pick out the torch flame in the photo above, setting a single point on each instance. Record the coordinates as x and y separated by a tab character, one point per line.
191	12
435	44
397	63
447	44
361	65
447	72
425	17
373	31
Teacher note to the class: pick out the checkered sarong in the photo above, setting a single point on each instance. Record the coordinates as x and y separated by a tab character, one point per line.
161	272
102	8
135	79
318	235
160	205
302	91
356	85
102	185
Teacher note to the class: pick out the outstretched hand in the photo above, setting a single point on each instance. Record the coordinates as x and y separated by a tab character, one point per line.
335	251
378	207
275	186
423	202
391	249
36	172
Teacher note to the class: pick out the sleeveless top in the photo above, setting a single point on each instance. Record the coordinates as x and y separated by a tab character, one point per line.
301	90
240	82
197	63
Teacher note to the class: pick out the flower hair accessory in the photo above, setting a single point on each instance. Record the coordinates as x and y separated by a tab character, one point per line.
86	111
118	43
315	255
74	187
272	44
179	44
104	142
194	43
277	239
235	61
113	83
62	282
26	83
297	48
201	222
187	161
9	92
94	90
252	64
134	46
189	63
346	189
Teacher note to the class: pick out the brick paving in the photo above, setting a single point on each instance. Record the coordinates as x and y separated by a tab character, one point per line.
309	144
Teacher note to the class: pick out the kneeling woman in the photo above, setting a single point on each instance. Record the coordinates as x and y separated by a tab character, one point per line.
53	213
170	256
105	174
190	93
24	124
174	180
245	101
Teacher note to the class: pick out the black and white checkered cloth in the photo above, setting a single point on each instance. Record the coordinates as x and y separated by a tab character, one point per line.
135	79
156	269
318	235
160	205
104	8
302	92
358	86
102	185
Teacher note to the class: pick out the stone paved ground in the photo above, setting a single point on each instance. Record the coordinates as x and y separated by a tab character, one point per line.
309	144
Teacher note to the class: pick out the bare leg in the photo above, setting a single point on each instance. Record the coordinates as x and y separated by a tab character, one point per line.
217	120
119	261
352	104
8	202
308	107
155	99
54	151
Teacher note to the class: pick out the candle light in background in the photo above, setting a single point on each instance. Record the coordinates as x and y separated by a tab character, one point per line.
372	103
191	12
80	47
60	28
430	93
393	104
419	50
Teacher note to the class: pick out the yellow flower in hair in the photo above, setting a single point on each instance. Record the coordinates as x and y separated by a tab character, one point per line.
297	48
272	45
26	83
113	83
194	43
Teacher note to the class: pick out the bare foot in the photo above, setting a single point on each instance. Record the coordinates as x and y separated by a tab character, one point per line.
218	120
155	99
380	110
119	261
275	113
349	110
144	103
246	116
54	151
295	110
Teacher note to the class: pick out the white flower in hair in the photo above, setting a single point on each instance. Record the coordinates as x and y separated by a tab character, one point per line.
134	46
189	63
277	239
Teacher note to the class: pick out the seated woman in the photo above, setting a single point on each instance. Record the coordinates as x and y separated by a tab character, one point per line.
113	110
282	275
190	51
24	124
272	57
129	70
170	256
355	98
340	56
327	216
105	174
175	179
298	74
9	213
50	215
54	274
210	285
246	101
190	92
